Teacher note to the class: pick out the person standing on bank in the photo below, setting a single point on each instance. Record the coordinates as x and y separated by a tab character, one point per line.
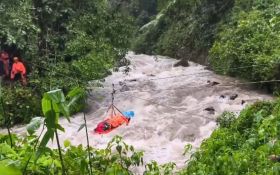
4	57
18	71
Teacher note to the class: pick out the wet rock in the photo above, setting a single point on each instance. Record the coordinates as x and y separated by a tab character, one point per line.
121	83
183	63
212	83
124	88
132	80
233	97
210	110
126	70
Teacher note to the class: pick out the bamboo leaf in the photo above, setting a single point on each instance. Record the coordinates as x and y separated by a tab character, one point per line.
48	135
46	104
81	127
76	92
59	127
64	109
56	96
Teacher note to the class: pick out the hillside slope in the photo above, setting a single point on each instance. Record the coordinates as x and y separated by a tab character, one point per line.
184	29
224	34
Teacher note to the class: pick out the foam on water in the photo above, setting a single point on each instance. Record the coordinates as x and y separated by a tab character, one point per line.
169	113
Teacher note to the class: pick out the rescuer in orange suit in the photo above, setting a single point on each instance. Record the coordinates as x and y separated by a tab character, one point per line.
117	121
111	123
19	71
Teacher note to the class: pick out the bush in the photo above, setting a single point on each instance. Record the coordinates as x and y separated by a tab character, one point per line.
62	47
244	146
116	158
20	104
186	29
249	40
226	119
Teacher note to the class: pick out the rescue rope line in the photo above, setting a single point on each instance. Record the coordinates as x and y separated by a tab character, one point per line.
160	78
203	85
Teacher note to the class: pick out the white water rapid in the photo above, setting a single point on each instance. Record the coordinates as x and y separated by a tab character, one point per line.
169	112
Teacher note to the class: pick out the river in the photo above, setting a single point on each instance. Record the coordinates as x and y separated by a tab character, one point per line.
169	104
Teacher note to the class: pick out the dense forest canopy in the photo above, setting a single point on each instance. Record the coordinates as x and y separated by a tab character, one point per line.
63	44
222	34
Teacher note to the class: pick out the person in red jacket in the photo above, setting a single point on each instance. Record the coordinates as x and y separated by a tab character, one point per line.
4	57
19	69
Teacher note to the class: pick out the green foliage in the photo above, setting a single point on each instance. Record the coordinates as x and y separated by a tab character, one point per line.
17	27
226	119
54	104
154	169
63	45
27	157
20	104
186	29
142	10
249	39
244	146
116	158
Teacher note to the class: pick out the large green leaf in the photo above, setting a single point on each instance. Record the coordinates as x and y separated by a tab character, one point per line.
76	92
75	96
48	135
64	109
59	127
51	120
46	105
56	96
81	127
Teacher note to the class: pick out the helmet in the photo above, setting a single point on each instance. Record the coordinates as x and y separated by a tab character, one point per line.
129	114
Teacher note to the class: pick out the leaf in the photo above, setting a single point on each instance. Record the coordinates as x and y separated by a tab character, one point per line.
73	101
9	171
67	143
59	127
76	92
119	149
75	98
51	120
56	96
34	124
187	149
46	104
64	109
6	149
81	127
48	135
57	163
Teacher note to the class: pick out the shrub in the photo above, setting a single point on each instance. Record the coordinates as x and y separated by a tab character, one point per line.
226	119
250	39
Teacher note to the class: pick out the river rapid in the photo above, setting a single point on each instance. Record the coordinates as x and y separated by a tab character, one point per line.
169	104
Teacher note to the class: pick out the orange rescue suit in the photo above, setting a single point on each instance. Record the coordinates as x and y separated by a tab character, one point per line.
18	67
117	121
